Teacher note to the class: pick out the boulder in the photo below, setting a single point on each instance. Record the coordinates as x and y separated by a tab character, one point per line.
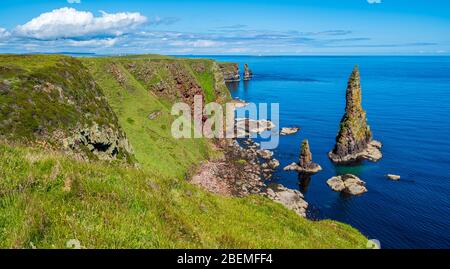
265	154
245	127
393	177
292	199
274	163
289	130
348	183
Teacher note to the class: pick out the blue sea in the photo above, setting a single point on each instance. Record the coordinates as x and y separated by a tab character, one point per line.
407	100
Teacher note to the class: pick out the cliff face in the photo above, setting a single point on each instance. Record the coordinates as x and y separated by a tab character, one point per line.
354	136
53	101
178	79
230	72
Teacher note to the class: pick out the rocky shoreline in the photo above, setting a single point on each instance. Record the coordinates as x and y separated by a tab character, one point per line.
243	171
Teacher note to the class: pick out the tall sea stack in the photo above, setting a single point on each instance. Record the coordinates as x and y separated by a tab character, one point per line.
354	140
248	74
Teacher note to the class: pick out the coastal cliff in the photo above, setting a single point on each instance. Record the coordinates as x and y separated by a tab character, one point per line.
354	139
230	72
141	198
54	102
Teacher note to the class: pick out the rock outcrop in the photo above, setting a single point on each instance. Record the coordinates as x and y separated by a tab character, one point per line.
354	140
305	164
291	199
246	127
230	72
393	177
289	130
248	74
348	183
104	143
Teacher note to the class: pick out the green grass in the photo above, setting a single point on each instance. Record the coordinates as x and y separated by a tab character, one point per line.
47	97
153	144
48	199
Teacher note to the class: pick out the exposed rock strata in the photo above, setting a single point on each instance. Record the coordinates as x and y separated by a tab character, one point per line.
305	163
354	139
348	183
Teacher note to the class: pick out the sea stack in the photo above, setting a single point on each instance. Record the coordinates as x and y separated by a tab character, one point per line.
248	74
305	164
354	140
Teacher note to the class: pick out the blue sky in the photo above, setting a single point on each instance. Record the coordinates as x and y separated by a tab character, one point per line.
301	27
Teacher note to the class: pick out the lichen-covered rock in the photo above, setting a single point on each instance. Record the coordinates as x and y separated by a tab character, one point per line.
354	138
102	142
248	74
305	163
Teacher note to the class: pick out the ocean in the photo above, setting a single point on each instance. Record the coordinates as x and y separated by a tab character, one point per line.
407	100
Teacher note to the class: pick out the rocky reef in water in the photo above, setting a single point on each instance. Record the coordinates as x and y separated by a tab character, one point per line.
248	74
305	164
354	140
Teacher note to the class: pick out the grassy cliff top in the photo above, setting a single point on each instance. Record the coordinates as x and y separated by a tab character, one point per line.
47	198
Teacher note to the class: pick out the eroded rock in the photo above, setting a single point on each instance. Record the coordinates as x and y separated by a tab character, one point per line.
289	130
348	183
248	74
305	164
393	177
292	199
354	139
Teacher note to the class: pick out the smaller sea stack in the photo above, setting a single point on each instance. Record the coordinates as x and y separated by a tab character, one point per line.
248	74
354	140
305	164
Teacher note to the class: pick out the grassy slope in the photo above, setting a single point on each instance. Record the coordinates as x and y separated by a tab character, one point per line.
47	199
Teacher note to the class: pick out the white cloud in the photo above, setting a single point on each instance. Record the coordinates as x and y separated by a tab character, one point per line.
4	33
74	1
107	42
374	1
71	23
201	43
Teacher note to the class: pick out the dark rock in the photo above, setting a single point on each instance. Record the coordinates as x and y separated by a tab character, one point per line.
354	139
